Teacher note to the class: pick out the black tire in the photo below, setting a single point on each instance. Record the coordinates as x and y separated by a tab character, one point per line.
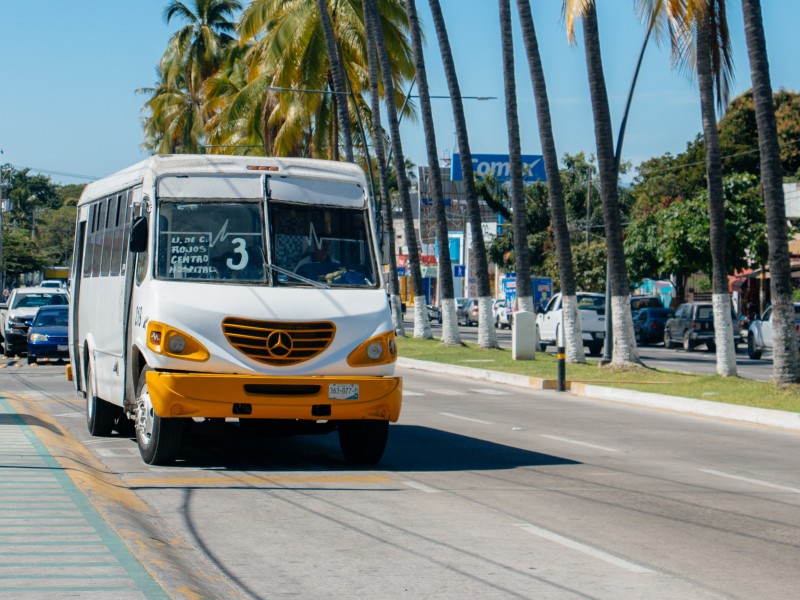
753	352
100	414
124	426
687	342
542	345
510	321
158	439
667	341
711	346
363	442
596	348
32	360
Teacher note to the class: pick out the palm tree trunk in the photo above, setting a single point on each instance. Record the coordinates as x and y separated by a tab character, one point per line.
516	186
723	325
450	332
625	352
378	137
786	360
422	326
558	213
338	78
487	337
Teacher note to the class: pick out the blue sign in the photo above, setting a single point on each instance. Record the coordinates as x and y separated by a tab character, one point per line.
428	201
459	271
401	271
498	165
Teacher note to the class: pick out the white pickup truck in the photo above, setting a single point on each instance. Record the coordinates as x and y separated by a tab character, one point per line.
592	308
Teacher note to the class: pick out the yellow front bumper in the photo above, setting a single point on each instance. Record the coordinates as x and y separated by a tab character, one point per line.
260	397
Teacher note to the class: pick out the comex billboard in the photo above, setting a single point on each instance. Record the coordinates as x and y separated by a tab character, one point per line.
499	166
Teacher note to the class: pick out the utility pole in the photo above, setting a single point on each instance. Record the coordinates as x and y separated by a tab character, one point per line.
2	256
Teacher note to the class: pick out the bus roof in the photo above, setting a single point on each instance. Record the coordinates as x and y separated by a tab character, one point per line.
158	165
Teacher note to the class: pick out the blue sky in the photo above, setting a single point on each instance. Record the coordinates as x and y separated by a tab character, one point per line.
71	68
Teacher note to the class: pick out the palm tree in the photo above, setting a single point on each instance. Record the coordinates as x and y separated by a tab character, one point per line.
422	326
289	52
383	170
337	77
487	337
712	42
572	323
625	352
516	186
195	50
450	332
786	361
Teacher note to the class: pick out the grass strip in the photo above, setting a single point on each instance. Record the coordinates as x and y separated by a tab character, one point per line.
729	390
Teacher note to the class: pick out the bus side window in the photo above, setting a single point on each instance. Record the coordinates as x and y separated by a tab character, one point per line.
88	243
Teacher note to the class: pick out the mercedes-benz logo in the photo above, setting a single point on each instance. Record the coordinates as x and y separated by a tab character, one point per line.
279	344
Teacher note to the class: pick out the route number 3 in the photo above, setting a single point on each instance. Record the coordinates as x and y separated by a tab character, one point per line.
239	248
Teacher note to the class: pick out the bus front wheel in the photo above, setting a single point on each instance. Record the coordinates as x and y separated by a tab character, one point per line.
158	439
363	442
100	414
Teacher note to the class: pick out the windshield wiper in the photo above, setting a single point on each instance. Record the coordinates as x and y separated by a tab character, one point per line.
293	275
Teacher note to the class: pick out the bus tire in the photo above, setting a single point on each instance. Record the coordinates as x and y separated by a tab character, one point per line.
363	442
100	414
158	439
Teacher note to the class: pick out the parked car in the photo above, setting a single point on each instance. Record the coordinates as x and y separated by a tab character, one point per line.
640	302
497	305
53	283
648	324
759	335
17	316
592	310
467	313
692	325
48	336
504	317
434	313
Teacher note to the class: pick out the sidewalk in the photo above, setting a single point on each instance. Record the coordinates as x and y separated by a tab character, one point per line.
705	408
53	543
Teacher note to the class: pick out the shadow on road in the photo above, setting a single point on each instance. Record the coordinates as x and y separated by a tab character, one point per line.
410	448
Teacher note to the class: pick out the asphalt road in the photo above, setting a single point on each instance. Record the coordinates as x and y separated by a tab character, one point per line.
656	356
485	491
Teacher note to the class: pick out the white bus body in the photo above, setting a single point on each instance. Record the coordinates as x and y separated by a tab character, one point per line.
192	300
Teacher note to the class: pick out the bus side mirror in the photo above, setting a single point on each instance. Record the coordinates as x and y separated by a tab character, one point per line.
386	241
138	241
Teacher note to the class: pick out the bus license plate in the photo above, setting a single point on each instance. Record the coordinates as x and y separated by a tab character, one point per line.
343	391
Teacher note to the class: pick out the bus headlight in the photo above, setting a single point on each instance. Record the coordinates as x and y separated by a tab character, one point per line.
168	341
378	350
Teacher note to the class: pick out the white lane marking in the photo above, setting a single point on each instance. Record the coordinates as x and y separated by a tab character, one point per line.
444	392
490	392
117	452
421	486
108	441
577	443
410	393
465	418
754	481
70	414
604	556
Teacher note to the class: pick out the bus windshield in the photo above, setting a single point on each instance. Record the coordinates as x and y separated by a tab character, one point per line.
217	241
323	244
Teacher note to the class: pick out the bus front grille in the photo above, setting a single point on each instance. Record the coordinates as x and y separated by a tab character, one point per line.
276	342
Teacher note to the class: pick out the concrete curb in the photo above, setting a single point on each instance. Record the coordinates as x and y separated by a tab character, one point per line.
705	408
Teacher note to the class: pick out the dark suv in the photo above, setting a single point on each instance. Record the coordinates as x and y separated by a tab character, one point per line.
693	325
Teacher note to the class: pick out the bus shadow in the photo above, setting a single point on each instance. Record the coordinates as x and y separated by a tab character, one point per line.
410	448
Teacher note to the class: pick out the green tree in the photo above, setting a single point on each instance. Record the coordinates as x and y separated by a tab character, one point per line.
487	337
288	52
625	351
786	361
19	253
55	235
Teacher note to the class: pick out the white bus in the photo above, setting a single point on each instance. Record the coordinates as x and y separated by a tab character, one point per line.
199	291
